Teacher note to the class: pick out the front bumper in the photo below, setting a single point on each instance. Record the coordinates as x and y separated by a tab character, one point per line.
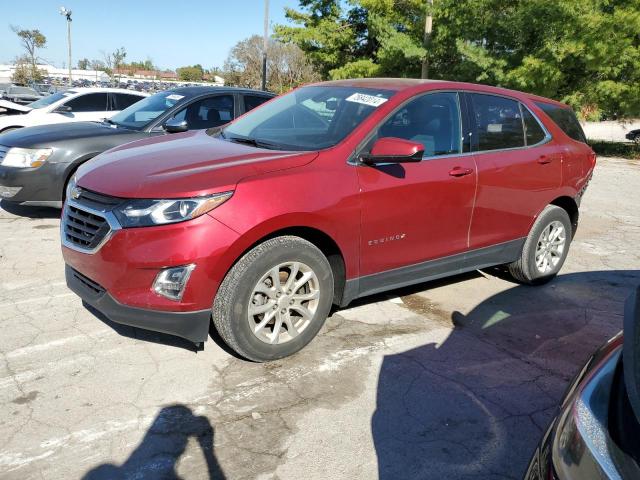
193	326
117	276
35	186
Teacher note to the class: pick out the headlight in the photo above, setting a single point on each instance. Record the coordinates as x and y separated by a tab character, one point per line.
145	213
26	157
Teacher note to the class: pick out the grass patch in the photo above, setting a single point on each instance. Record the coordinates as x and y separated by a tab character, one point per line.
616	149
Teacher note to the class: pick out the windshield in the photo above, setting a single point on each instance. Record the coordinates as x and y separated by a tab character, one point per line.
310	118
46	101
146	110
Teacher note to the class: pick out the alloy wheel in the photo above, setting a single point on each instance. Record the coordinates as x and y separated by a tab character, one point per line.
283	302
550	247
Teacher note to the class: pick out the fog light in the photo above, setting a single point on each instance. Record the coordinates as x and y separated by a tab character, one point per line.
171	282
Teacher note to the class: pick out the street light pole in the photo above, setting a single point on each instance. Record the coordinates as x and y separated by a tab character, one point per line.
265	45
67	13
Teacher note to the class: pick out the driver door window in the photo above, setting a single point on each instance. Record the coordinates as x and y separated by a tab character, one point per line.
91	102
208	112
432	120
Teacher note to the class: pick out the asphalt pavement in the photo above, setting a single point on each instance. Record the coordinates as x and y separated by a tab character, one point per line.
450	379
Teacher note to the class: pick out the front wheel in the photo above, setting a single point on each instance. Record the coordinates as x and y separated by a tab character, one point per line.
275	299
545	248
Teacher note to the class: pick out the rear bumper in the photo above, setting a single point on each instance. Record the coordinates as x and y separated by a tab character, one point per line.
193	326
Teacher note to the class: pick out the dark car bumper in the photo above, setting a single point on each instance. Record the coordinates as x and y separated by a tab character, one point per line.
193	326
576	446
36	186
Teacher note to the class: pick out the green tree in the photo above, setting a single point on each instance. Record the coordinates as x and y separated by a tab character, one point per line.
83	64
193	73
31	40
24	73
583	52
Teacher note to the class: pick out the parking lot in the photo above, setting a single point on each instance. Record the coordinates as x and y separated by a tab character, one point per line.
451	379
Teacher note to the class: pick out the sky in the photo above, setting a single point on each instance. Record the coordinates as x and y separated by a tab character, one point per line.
172	33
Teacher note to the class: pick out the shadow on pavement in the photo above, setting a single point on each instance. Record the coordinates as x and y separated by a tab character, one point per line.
28	211
162	446
476	405
142	334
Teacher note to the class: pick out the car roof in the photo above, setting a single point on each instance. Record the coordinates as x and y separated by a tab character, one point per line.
203	89
106	89
401	84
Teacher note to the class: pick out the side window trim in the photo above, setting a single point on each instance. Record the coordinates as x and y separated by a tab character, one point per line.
362	146
475	146
547	136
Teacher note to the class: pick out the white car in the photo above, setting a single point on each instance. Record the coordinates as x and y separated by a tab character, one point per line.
73	105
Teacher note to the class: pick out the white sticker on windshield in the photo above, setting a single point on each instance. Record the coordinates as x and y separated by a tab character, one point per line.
175	96
366	99
494	128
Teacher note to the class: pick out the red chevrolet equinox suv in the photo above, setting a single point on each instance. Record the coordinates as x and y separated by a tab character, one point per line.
331	192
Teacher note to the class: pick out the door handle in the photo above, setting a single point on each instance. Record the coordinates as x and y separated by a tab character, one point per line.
460	172
543	159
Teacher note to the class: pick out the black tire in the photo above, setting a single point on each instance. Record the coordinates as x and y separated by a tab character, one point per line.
524	269
230	307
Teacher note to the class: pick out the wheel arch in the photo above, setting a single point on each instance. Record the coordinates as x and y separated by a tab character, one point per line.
569	205
325	242
72	168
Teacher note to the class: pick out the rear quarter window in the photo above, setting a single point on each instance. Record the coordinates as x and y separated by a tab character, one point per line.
565	119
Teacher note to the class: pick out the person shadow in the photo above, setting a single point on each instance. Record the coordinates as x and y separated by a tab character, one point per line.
476	404
162	446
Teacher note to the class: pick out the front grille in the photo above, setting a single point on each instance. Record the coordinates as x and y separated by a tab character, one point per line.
84	220
3	152
84	229
87	282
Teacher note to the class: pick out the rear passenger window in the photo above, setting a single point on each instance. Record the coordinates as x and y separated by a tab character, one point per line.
498	122
432	120
565	119
253	101
532	129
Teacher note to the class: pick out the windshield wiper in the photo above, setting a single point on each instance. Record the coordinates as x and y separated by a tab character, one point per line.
254	142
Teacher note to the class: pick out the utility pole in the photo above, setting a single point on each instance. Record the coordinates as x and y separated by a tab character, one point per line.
67	13
265	45
426	39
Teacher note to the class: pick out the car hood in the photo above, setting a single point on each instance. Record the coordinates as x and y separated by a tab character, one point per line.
14	107
48	135
181	165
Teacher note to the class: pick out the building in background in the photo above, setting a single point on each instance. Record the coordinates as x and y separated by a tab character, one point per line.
7	71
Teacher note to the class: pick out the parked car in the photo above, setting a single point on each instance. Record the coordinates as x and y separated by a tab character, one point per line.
40	179
331	192
634	136
596	435
74	105
20	95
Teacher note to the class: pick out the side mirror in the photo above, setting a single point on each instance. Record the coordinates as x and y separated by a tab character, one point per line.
393	150
63	109
173	125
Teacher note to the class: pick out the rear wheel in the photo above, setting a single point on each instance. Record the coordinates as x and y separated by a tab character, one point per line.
545	248
275	299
